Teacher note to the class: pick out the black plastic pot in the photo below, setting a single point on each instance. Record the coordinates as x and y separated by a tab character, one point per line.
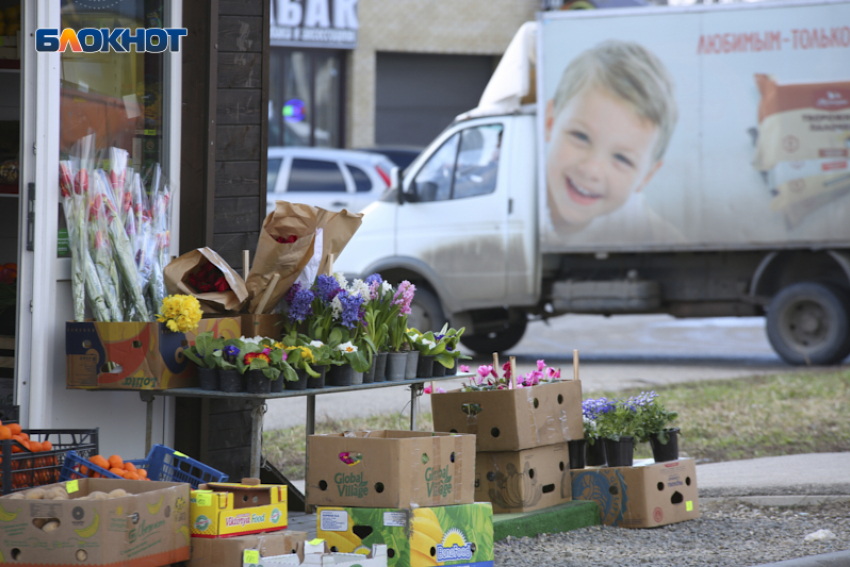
277	385
381	367
620	453
665	452
299	384
438	370
425	366
231	381
595	453
257	383
317	383
208	378
369	375
339	375
577	449
453	370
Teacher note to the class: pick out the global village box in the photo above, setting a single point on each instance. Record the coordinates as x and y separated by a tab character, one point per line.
421	537
390	469
148	526
229	509
513	420
230	551
655	494
135	356
522	481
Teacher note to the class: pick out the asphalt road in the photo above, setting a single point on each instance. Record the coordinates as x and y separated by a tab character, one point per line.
615	353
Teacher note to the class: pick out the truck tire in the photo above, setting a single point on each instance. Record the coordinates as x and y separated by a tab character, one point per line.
496	341
426	312
809	323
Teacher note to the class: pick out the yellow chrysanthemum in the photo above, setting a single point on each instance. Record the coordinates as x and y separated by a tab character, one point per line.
180	313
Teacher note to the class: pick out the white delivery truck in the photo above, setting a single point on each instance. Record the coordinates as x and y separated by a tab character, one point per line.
690	161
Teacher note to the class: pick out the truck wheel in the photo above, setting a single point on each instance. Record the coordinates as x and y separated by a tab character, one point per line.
809	323
496	341
426	313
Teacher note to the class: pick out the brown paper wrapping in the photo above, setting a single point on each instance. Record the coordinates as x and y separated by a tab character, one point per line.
289	259
177	271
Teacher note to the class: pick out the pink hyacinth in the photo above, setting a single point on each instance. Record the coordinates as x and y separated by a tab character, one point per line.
404	296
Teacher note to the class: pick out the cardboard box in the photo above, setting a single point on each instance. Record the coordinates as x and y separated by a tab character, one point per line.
268	325
513	420
143	356
229	509
448	535
521	481
317	553
655	494
230	551
390	469
149	527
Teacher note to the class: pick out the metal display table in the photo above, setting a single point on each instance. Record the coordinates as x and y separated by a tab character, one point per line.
257	403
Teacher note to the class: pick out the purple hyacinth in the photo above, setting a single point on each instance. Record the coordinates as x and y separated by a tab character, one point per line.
374	279
290	295
404	296
353	312
327	288
300	308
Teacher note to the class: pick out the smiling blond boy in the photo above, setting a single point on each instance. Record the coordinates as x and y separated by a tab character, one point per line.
608	127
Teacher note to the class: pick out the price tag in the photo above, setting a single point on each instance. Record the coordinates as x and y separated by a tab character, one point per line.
203	498
251	556
179	454
72	486
689	505
317	541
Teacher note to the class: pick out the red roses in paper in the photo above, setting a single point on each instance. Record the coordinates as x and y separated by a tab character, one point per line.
208	279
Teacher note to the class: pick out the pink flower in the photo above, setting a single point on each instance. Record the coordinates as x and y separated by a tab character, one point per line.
506	367
427	389
541	364
404	296
463	368
441	391
553	374
519	385
483	372
283	355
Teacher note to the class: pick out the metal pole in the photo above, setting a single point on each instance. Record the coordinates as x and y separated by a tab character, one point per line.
310	429
413	399
147	397
257	411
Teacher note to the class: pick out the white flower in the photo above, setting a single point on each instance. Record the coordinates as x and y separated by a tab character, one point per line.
429	344
253	340
386	288
346	347
360	287
317	344
336	307
343	283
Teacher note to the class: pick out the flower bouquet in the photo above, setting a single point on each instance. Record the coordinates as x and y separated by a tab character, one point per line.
207	276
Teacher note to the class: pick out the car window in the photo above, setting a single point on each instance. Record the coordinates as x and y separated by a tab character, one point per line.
434	180
362	183
477	161
310	175
272	169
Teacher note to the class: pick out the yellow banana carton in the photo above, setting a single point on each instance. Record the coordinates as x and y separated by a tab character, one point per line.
421	537
230	509
96	522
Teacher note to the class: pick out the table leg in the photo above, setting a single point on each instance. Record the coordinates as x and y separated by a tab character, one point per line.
257	411
147	397
310	429
414	398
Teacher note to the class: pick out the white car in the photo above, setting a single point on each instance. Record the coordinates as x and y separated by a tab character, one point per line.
328	178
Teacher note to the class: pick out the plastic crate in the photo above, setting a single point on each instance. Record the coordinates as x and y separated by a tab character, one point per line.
25	469
163	464
166	464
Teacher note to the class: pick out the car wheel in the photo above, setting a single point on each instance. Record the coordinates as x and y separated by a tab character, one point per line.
426	313
496	341
809	323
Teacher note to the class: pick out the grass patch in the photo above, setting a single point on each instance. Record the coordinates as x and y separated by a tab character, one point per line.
724	420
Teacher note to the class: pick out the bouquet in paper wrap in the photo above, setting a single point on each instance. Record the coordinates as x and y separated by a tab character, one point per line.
205	274
288	242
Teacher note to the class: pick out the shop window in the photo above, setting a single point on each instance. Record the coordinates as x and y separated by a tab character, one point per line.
308	175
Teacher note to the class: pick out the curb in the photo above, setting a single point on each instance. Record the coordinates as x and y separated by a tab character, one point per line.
838	559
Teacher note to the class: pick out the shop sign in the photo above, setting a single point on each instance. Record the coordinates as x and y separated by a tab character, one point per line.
119	40
314	23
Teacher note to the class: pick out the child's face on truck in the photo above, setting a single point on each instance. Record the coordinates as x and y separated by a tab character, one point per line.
600	151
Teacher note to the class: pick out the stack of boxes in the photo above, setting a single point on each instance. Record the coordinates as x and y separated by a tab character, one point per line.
522	460
411	491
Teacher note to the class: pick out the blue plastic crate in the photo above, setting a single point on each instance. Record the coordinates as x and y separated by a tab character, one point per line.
166	464
74	464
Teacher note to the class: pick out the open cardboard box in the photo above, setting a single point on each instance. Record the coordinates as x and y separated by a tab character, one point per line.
263	325
143	356
317	553
444	535
522	481
148	527
390	469
230	551
229	509
513	420
643	496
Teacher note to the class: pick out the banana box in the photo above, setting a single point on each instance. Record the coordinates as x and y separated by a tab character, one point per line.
421	537
231	509
145	524
135	356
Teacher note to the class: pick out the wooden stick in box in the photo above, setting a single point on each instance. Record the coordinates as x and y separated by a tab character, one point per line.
246	264
513	371
496	362
575	364
267	294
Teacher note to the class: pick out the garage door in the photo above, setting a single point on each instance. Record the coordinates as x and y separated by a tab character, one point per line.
419	95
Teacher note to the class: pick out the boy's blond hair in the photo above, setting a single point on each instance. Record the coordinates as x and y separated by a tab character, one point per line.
632	73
